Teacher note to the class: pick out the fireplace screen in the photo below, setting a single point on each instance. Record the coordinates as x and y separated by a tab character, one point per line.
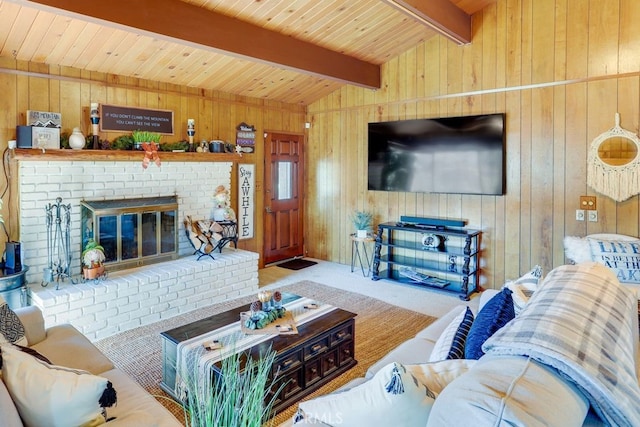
133	232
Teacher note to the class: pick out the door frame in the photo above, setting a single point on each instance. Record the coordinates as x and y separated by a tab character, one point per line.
266	180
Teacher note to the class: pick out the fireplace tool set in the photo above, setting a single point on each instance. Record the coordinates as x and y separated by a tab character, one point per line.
58	220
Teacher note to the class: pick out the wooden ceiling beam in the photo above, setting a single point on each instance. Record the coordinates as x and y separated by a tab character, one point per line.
441	15
189	25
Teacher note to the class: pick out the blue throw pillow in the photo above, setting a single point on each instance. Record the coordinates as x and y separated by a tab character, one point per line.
460	338
493	316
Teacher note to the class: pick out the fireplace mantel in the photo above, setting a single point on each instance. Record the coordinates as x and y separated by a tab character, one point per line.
26	154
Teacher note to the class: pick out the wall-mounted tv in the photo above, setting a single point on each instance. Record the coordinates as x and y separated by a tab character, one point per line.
457	155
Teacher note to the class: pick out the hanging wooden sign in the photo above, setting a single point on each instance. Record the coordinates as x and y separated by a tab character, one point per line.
246	200
117	118
246	137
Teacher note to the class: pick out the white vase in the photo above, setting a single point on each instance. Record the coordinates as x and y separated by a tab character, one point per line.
76	139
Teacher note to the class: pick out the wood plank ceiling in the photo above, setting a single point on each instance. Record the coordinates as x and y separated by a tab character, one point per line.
344	41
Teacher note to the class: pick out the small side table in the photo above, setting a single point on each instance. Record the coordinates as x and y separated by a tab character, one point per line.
359	248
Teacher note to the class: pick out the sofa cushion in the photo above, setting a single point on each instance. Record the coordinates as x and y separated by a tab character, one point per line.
11	328
410	352
66	346
132	397
392	397
450	344
578	250
133	419
509	391
24	349
437	375
33	322
523	287
10	416
622	257
52	395
496	313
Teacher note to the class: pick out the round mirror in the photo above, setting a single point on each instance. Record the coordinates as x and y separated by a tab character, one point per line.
617	151
613	163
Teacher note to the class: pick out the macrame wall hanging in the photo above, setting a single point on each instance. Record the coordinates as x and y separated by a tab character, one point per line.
613	165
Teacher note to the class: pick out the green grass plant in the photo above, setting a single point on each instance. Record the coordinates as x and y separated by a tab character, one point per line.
236	397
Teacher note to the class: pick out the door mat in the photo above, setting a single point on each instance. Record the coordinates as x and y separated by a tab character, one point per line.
297	264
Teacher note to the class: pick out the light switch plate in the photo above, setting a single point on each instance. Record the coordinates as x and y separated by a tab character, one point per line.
593	216
579	214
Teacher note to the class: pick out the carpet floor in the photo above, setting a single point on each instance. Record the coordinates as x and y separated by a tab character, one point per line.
380	327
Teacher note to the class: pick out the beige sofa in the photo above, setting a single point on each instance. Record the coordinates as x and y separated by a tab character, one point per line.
464	387
417	349
65	346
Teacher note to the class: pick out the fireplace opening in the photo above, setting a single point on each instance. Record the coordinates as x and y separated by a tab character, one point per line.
133	232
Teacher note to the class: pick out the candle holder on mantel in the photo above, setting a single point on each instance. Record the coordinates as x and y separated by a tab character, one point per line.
95	120
191	130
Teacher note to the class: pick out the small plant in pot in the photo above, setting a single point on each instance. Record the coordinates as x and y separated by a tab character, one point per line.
92	260
140	137
362	222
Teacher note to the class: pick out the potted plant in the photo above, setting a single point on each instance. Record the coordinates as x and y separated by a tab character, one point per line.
140	137
92	260
242	393
362	222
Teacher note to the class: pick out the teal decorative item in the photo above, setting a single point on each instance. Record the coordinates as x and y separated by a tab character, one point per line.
257	320
266	310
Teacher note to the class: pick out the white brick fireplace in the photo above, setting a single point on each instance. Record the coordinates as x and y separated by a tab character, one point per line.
139	296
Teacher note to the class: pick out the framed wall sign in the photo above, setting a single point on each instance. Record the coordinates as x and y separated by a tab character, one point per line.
246	200
114	118
45	131
246	137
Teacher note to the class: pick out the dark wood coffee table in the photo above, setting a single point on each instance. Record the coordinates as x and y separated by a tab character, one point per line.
322	350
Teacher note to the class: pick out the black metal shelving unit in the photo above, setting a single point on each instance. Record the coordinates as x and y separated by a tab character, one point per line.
410	256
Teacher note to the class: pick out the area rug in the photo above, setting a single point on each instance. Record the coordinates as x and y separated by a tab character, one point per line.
297	264
380	327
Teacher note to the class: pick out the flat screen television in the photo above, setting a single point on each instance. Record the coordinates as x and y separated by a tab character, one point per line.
457	155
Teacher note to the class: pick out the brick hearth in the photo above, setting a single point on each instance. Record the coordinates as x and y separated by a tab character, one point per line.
137	297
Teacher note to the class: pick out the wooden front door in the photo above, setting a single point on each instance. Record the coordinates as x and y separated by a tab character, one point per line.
283	222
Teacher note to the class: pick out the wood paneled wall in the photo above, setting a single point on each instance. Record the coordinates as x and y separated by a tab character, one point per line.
26	85
559	69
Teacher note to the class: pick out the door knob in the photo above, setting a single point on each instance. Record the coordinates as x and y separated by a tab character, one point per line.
268	209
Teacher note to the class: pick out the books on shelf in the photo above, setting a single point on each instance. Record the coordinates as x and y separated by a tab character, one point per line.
423	278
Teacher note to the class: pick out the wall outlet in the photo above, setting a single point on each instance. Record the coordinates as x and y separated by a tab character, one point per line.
579	214
593	216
